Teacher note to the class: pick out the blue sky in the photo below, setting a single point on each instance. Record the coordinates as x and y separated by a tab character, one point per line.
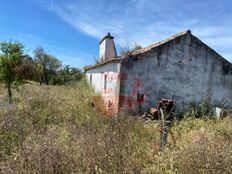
71	29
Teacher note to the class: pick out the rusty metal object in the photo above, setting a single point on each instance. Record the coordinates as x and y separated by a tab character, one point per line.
165	113
152	114
168	107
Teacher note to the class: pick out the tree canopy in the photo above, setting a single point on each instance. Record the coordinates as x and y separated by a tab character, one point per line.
11	56
17	66
67	75
47	63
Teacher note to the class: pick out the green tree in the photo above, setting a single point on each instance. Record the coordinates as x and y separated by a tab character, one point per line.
48	64
67	75
11	55
28	69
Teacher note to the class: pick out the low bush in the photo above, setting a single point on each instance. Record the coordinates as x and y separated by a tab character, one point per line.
55	129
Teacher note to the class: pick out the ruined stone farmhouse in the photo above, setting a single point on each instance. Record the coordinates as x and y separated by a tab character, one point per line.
182	68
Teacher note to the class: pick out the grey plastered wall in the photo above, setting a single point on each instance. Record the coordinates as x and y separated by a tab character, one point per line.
184	69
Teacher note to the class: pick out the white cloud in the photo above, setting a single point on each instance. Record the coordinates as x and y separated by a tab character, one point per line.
148	21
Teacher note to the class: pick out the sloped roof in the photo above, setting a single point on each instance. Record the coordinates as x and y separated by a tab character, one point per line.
148	48
102	63
140	51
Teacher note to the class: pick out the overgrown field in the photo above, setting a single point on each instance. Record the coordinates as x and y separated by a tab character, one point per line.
55	129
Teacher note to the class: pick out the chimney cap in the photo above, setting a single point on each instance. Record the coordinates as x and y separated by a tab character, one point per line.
107	36
189	31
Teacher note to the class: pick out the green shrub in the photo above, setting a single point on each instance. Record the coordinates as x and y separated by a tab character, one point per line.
201	110
55	129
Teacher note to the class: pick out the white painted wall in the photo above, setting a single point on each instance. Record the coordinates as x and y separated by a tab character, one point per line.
107	49
105	81
110	71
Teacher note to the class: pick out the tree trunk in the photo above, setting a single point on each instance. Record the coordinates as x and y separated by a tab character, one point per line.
46	78
9	93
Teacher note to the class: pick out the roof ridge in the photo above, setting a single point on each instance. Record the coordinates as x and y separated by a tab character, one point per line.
147	48
140	51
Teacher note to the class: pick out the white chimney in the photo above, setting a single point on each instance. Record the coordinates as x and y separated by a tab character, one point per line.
107	48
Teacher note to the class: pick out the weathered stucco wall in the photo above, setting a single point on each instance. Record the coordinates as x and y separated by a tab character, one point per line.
104	79
183	69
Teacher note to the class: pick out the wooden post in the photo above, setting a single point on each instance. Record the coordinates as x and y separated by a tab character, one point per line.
163	131
9	93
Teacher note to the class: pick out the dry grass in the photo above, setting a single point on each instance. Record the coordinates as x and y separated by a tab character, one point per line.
55	129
